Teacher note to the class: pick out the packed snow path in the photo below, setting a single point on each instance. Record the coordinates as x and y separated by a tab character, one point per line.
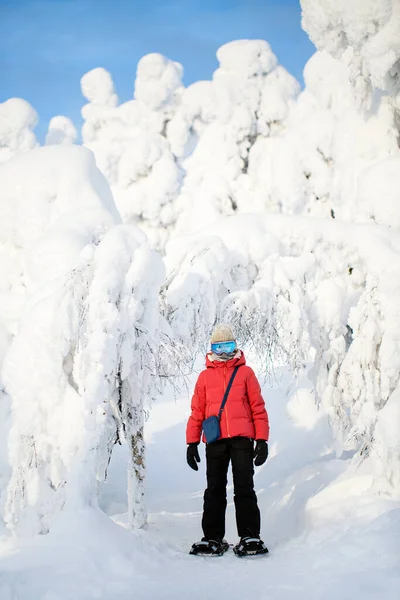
330	537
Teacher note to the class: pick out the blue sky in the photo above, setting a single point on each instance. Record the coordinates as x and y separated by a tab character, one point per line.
46	46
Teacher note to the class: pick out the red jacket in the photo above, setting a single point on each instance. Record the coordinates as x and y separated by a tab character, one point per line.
244	413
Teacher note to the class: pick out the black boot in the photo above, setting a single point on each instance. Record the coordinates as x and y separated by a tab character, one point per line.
250	546
207	547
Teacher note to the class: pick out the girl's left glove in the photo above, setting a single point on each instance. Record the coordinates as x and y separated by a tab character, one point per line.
260	452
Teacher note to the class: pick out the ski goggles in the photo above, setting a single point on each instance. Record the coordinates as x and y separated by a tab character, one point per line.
223	347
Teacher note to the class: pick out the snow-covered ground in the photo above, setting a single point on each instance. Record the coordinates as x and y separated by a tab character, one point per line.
330	535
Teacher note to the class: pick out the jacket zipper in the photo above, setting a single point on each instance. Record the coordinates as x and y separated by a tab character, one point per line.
226	405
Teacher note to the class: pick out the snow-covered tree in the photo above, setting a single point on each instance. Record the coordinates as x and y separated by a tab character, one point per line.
343	138
158	89
98	88
363	33
219	122
17	121
61	131
130	145
318	164
340	149
101	125
80	299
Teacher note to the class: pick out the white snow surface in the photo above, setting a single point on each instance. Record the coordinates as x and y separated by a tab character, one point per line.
329	535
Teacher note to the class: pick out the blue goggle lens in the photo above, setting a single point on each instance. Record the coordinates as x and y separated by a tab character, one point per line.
223	347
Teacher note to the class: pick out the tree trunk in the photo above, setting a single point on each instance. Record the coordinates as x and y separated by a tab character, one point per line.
136	471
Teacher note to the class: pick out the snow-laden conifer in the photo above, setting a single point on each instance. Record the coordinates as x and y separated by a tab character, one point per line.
352	114
129	142
219	122
80	299
61	131
364	33
17	122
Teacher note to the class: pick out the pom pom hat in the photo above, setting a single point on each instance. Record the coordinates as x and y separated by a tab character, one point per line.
222	333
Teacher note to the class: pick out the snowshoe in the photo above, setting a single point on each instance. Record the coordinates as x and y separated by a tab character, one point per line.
209	547
250	546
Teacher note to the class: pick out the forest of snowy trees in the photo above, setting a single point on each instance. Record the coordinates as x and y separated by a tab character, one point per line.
243	198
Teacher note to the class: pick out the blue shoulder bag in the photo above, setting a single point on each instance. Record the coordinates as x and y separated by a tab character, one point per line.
211	428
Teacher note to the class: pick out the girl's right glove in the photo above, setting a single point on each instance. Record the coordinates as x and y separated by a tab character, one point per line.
192	456
260	452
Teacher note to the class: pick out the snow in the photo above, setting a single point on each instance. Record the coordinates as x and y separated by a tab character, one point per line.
59	196
17	121
97	86
177	157
61	131
318	165
158	82
381	179
129	142
248	99
369	28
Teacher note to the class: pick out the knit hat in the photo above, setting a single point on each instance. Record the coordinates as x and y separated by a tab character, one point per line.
222	333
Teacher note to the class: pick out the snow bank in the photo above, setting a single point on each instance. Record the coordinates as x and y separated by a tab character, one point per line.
80	297
292	286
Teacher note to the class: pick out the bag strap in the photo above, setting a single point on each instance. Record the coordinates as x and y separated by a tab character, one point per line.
228	389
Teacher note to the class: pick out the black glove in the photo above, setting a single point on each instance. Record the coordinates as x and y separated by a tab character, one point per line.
260	452
192	456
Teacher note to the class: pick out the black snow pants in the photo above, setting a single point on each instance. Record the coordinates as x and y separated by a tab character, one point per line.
239	451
